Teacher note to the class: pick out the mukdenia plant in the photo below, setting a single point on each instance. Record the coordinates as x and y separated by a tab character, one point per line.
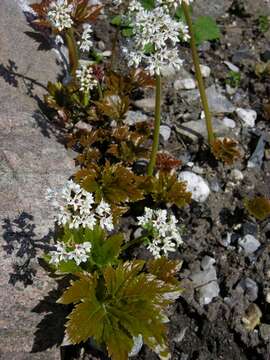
116	299
155	35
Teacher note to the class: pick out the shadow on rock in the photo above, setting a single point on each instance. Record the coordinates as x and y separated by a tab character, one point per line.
22	241
50	330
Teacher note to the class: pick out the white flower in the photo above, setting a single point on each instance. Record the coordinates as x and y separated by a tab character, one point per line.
86	78
103	208
74	207
59	14
107	223
155	37
163	229
86	42
79	254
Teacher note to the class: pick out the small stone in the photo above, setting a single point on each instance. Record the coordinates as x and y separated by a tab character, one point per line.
250	288
195	128
226	239
208	292
168	71
196	185
229	123
201	278
236	175
230	90
265	332
252	317
232	67
107	53
197	169
248	116
207	262
165	132
101	45
205	70
265	56
137	346
185	84
218	103
250	228
249	244
267	298
267	154
180	336
215	185
184	356
205	46
146	104
82	125
256	158
134	117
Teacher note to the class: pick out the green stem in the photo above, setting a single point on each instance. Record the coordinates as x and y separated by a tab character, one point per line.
198	74
114	43
72	51
152	163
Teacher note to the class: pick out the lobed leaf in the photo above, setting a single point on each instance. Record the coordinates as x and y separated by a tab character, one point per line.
122	303
259	207
226	149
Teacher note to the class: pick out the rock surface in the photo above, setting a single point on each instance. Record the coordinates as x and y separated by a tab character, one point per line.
212	8
31	159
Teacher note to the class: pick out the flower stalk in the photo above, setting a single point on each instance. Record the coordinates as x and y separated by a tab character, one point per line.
198	74
72	51
152	163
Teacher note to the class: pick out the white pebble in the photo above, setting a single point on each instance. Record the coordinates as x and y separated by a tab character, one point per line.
229	123
196	185
249	116
205	70
185	84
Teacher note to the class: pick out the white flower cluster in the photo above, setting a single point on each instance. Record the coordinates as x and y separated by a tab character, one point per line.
75	208
162	227
86	42
64	253
86	78
156	35
159	2
59	14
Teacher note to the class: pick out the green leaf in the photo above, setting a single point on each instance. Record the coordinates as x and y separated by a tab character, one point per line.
117	20
127	32
206	29
179	14
121	303
79	289
164	269
259	207
148	4
149	48
68	267
105	251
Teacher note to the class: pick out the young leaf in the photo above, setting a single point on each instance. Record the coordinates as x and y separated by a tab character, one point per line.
116	184
259	207
166	162
206	29
166	188
226	150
